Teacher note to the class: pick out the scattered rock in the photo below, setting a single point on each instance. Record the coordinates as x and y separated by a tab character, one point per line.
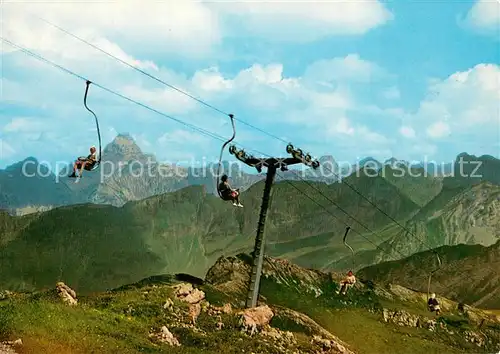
165	336
277	335
6	349
330	346
67	294
194	297
255	318
5	294
216	310
401	318
8	346
475	338
185	292
405	319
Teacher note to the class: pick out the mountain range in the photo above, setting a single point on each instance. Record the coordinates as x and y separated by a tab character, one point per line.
100	246
27	186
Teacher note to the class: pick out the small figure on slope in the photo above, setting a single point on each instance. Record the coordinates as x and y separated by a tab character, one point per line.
434	305
348	281
228	193
86	163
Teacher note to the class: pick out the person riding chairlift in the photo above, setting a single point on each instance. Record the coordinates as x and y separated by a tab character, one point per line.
228	193
434	305
347	282
84	163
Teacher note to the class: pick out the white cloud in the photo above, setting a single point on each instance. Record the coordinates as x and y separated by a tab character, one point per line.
266	89
22	124
191	27
303	21
342	126
270	74
484	17
407	132
261	94
351	134
350	68
211	80
63	49
465	102
438	130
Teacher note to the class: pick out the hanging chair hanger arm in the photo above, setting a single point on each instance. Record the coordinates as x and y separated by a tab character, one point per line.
231	116
432	273
95	116
345	237
348	228
439	263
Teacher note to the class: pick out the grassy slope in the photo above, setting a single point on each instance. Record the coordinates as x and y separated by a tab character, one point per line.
354	324
119	321
469	273
100	247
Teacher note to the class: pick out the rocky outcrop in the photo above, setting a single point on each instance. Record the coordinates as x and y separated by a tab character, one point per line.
67	294
165	336
285	272
231	275
255	318
186	293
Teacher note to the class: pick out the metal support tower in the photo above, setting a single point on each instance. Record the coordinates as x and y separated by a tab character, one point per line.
272	165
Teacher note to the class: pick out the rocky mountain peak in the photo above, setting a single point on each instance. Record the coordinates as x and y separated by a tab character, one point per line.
123	143
123	148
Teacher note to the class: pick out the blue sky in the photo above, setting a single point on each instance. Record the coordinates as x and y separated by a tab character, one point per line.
415	80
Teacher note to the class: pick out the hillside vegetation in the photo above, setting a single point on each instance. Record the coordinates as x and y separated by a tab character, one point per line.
469	273
96	247
459	215
306	316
